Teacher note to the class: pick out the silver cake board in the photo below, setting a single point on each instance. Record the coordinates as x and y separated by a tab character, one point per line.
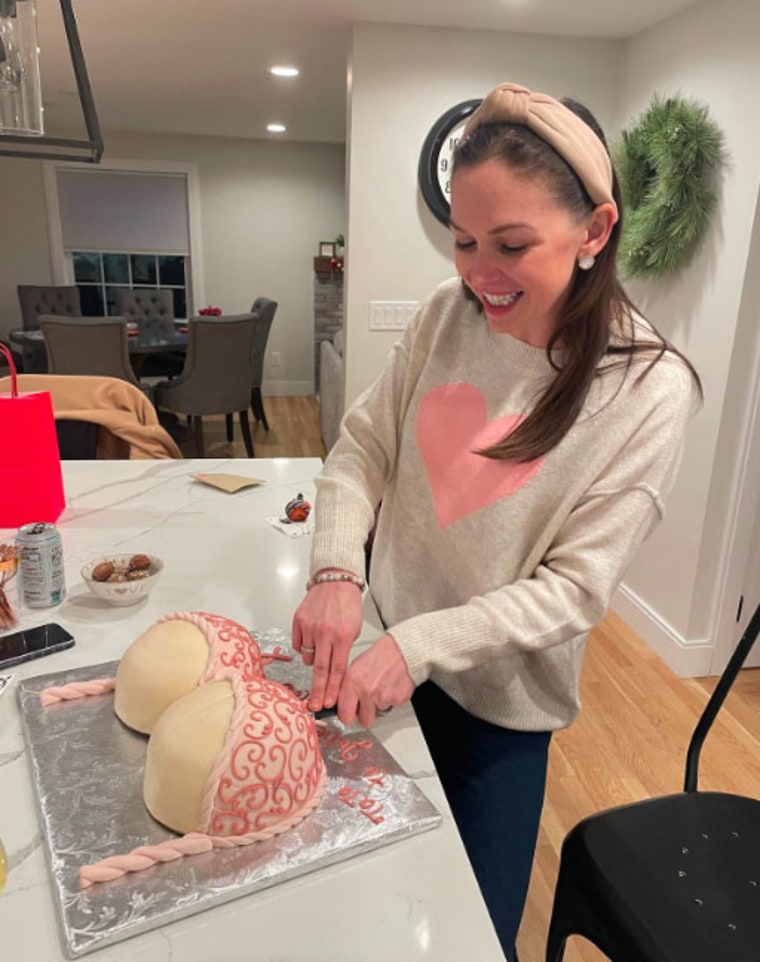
87	772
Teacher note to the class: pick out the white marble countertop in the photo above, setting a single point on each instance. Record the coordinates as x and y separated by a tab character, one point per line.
415	899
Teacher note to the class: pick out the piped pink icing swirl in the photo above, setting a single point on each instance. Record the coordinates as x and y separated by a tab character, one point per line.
230	644
270	767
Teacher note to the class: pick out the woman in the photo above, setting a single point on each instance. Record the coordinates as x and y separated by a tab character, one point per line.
517	450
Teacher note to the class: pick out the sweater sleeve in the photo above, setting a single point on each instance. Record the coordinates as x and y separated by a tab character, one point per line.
562	596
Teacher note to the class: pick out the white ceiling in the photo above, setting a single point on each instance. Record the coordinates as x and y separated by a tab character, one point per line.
200	66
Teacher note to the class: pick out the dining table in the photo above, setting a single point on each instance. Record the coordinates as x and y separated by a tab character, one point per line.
413	899
140	344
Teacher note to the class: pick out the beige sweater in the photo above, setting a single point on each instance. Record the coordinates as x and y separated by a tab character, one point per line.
489	574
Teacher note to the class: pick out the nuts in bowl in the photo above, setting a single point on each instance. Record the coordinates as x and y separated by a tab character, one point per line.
122	579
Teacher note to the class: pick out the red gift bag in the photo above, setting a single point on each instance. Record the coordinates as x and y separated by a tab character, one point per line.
31	485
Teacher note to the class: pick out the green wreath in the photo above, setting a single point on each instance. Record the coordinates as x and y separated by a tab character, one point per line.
666	165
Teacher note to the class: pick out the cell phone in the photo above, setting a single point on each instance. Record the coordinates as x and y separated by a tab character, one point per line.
31	643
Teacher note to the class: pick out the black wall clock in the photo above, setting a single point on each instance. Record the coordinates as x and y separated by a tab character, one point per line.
434	170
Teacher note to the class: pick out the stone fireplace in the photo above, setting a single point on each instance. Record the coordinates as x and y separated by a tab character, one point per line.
328	304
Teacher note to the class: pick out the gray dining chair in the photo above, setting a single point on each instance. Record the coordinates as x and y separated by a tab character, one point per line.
152	309
35	301
263	310
217	375
92	345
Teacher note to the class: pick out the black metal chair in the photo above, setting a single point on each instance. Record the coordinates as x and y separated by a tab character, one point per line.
669	879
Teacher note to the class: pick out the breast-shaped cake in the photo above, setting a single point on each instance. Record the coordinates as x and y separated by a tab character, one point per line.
234	758
174	656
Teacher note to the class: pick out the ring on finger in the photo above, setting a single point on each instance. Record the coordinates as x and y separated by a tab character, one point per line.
307	651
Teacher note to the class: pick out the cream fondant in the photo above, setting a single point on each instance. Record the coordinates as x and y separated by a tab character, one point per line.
173	657
234	758
186	740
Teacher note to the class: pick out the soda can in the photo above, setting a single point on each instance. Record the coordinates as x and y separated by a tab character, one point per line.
43	582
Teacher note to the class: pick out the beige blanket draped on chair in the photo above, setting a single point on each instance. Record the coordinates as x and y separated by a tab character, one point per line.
127	421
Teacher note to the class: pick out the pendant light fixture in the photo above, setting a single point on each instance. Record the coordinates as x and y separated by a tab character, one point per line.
22	132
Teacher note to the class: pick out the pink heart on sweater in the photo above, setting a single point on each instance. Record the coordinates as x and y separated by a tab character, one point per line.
451	427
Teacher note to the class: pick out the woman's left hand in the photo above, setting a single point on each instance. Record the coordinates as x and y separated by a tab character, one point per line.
376	680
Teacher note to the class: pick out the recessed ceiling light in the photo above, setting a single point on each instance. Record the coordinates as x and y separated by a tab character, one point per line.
284	71
276	128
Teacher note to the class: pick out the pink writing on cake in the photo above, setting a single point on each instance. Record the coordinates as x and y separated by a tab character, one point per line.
369	800
349	750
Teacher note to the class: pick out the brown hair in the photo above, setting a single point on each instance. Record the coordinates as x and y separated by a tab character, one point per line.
596	302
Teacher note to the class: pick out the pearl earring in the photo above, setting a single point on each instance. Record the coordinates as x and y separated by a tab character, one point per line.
586	262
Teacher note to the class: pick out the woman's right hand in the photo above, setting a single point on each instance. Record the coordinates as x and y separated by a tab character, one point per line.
325	625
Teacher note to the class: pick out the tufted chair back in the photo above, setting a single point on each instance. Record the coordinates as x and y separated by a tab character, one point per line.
58	301
151	308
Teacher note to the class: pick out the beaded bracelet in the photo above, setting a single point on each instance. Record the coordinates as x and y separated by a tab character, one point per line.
322	576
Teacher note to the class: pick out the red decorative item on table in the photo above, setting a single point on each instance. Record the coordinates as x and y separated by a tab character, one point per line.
30	465
298	509
211	311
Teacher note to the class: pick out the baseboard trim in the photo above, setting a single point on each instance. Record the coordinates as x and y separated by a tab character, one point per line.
686	658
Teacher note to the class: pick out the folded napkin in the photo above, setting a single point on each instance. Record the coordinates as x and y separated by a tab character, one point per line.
227	482
293	529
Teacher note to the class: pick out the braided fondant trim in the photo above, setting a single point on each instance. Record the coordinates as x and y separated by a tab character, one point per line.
76	689
194	843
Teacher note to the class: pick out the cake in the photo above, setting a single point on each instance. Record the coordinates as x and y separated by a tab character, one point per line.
233	757
179	652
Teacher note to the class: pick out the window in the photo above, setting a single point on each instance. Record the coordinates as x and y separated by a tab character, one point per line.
134	224
98	274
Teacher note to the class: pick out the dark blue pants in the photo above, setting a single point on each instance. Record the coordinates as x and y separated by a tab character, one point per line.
494	779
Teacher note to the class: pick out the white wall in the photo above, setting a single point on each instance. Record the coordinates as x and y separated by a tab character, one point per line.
677	593
24	251
686	579
403	79
264	208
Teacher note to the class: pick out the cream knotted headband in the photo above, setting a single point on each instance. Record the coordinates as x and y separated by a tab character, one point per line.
563	130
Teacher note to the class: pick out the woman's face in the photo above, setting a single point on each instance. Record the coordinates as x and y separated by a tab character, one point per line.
516	249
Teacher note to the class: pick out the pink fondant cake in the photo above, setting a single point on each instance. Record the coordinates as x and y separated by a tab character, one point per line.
232	759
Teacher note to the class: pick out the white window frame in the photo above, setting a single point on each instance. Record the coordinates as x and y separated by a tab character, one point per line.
62	262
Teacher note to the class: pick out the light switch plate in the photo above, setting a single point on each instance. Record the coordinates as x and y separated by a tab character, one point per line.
391	315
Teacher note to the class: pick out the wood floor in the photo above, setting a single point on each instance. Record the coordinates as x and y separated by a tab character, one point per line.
629	741
293	432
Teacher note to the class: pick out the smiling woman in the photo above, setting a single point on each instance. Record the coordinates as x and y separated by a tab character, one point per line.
525	397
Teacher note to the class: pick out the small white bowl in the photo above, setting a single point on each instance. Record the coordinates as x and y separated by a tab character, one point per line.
122	593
